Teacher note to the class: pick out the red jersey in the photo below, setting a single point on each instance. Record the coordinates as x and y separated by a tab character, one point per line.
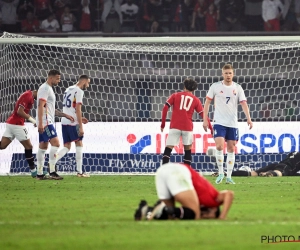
184	104
207	194
26	101
211	21
31	26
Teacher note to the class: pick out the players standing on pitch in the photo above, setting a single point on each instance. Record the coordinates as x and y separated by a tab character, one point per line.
184	104
226	95
15	127
72	131
45	119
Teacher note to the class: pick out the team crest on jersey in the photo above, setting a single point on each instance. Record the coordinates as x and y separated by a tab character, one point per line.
234	92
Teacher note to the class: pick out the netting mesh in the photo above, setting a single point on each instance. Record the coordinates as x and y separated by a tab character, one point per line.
131	82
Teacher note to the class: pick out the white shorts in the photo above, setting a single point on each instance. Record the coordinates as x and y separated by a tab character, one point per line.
16	131
172	179
174	137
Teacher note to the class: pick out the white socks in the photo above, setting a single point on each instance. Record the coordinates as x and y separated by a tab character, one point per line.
52	158
61	153
230	163
220	160
79	159
40	161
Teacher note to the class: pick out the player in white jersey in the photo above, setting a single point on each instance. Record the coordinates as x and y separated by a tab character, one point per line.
72	131
226	95
45	120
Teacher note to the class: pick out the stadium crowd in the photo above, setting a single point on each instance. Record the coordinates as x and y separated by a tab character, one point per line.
113	16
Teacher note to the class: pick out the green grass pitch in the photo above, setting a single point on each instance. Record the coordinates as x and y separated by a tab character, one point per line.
97	213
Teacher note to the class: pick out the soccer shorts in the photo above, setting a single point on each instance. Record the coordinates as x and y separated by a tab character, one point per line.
16	131
48	134
174	137
228	133
71	133
172	179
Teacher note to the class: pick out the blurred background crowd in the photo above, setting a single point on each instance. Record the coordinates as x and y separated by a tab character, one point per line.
151	16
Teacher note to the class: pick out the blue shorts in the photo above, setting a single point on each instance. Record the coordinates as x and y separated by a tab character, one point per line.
49	133
70	133
228	133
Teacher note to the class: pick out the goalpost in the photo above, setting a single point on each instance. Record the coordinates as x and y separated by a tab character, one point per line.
131	78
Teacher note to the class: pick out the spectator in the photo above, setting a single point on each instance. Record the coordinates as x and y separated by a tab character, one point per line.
231	14
271	14
112	16
85	22
59	7
42	9
149	16
179	16
253	18
290	16
30	24
67	20
129	9
24	7
211	18
9	15
198	19
50	24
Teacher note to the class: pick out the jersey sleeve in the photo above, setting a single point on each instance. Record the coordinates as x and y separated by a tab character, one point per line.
242	97
171	100
79	97
199	107
211	92
43	94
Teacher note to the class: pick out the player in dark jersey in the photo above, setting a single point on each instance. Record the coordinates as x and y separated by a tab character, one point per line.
15	127
184	105
180	183
290	166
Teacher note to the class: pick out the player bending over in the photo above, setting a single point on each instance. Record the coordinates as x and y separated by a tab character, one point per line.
15	127
184	104
226	95
290	166
176	182
45	119
72	131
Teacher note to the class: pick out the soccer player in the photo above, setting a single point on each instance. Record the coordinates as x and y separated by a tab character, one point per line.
72	131
15	127
184	104
177	182
45	119
290	166
226	95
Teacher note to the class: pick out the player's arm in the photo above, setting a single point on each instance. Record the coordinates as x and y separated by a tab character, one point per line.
164	116
225	197
22	113
41	106
200	112
247	113
206	122
61	114
79	118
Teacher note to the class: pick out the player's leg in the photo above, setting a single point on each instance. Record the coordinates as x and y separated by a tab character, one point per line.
29	156
5	141
40	156
232	136
66	133
187	140
219	136
79	157
172	140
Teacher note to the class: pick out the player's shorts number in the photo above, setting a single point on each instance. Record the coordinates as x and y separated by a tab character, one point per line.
186	102
67	101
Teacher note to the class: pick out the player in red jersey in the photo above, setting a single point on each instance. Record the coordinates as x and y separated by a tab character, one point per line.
184	104
15	127
177	182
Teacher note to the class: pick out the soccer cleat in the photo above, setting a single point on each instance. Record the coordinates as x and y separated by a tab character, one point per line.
220	178
55	176
141	211
34	174
157	211
42	177
84	175
229	181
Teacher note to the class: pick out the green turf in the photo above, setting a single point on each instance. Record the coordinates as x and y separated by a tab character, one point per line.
97	213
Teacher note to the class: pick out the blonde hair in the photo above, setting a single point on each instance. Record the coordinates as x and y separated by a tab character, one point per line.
227	66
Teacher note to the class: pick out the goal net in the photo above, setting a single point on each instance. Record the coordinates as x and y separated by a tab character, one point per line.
130	82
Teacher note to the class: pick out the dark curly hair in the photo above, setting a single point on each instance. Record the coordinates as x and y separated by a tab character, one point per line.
190	84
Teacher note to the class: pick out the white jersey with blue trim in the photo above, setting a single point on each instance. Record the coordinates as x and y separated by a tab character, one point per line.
72	96
226	99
